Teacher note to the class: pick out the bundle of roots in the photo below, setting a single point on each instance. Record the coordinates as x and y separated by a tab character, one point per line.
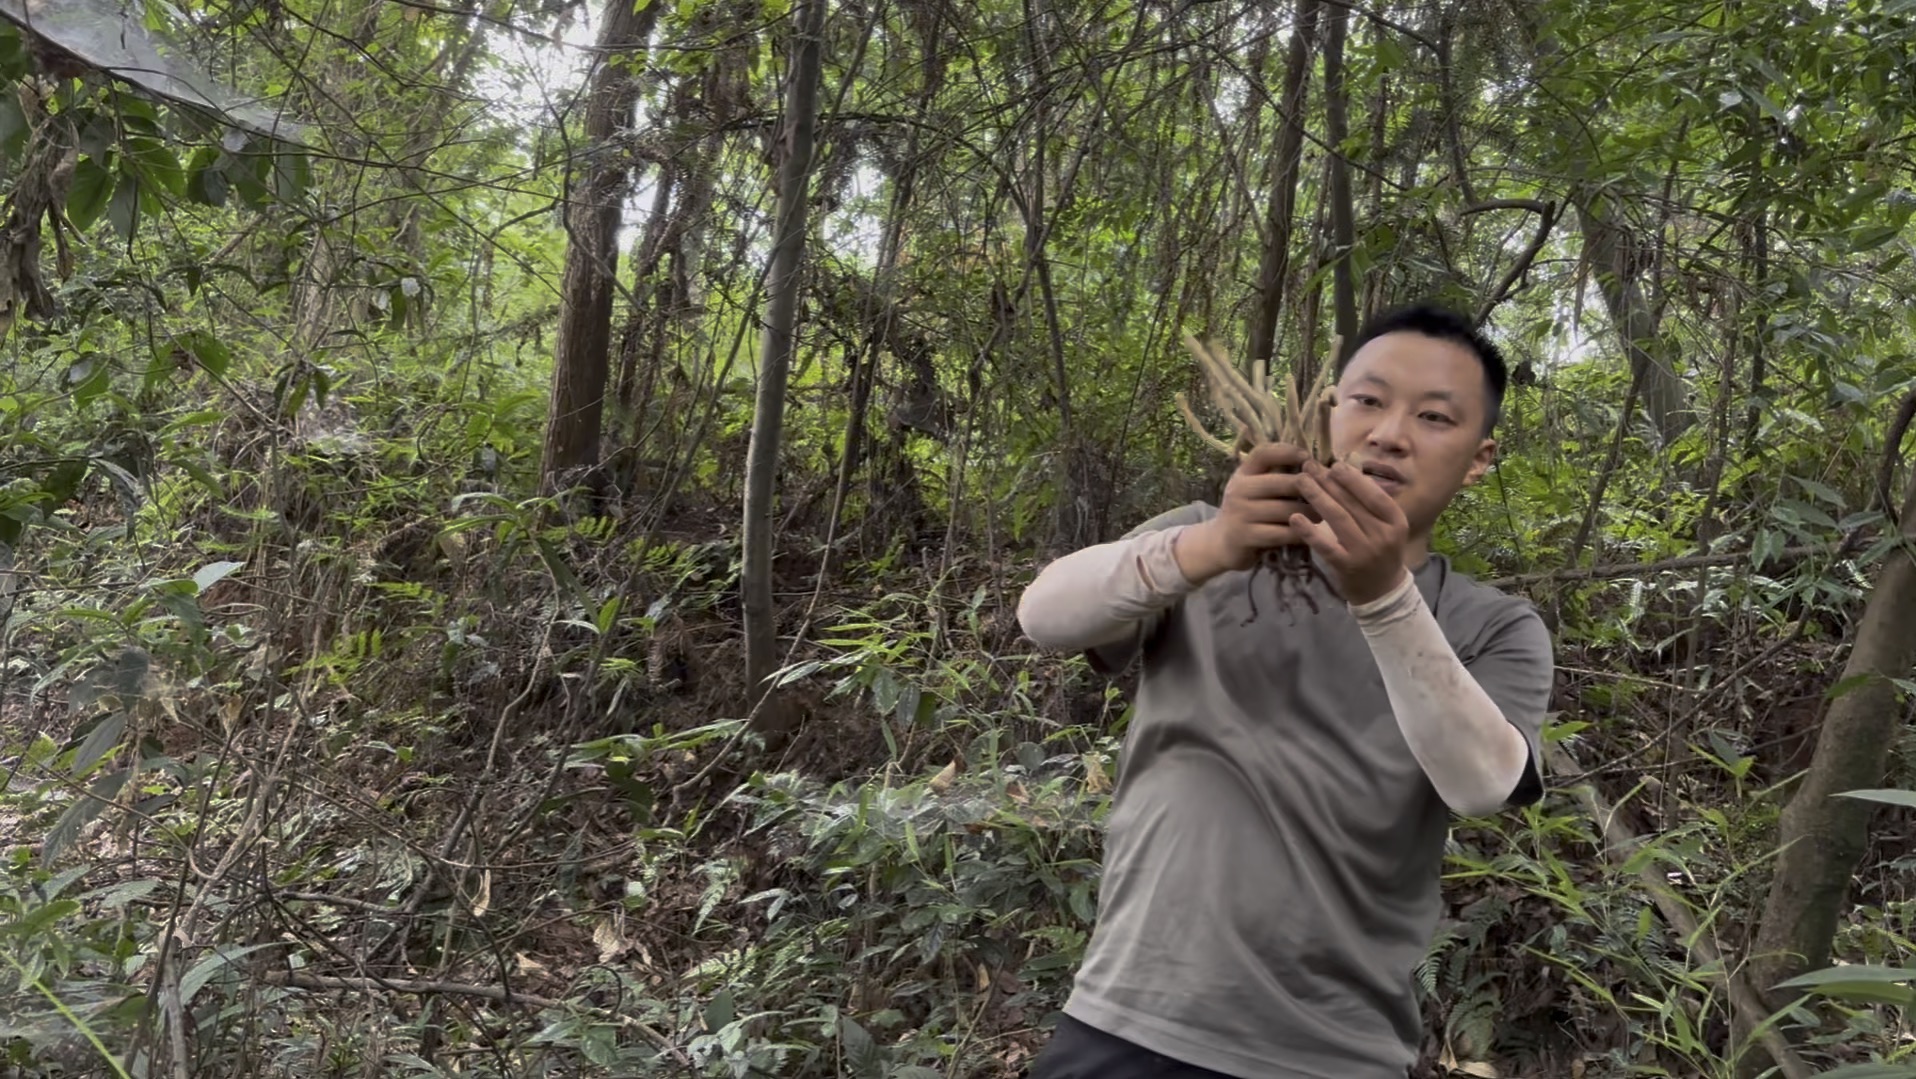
1302	418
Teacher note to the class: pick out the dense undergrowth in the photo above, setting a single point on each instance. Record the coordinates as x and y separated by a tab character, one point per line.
323	759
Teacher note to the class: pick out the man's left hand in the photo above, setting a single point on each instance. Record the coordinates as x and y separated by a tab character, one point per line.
1362	534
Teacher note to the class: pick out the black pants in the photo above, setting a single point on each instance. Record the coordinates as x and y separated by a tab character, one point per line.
1077	1051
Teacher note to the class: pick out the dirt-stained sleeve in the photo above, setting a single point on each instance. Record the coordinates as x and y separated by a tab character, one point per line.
1458	715
1516	666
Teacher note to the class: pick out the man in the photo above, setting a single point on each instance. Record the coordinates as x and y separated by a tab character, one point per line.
1273	851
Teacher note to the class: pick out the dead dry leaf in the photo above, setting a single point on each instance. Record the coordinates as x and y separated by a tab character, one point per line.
1451	1065
608	940
1095	781
943	780
483	901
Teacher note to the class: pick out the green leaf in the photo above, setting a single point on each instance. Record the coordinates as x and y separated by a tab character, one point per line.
97	132
1822	492
201	418
92	187
247	176
63	483
202	476
157	167
1803	511
862	1056
1769	107
13	123
35	921
1871	237
209	350
99	741
124	210
1851	684
67	828
14	59
194	980
1870	1071
206	183
1767	545
1859	982
89	377
51	889
115	896
1906	799
721	1011
124	482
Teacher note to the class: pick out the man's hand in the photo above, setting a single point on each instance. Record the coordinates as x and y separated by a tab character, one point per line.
1260	505
1362	534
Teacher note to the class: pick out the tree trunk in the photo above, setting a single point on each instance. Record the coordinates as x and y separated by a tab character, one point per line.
775	361
1611	250
592	251
1343	228
1379	129
1824	836
1274	264
1753	417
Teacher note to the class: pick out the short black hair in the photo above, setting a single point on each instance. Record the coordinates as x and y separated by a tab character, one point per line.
1444	324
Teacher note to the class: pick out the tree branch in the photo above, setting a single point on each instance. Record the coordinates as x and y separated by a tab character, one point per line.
1547	211
1371	15
1893	452
1535	206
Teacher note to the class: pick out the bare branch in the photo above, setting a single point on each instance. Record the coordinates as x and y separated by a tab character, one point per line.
1547	212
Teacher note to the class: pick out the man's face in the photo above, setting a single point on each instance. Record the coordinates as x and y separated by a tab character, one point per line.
1410	414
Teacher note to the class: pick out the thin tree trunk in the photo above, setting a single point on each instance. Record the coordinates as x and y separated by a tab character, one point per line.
1823	836
1337	129
650	300
1609	248
1451	120
1753	417
1379	127
582	359
778	341
1274	263
876	319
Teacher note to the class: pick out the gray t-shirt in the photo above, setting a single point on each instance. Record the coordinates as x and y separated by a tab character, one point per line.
1273	850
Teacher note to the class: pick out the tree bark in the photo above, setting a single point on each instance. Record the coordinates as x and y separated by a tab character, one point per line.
1610	248
592	215
1343	228
1824	836
1379	128
778	342
1274	263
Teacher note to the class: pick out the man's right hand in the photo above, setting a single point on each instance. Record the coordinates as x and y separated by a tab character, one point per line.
1254	515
